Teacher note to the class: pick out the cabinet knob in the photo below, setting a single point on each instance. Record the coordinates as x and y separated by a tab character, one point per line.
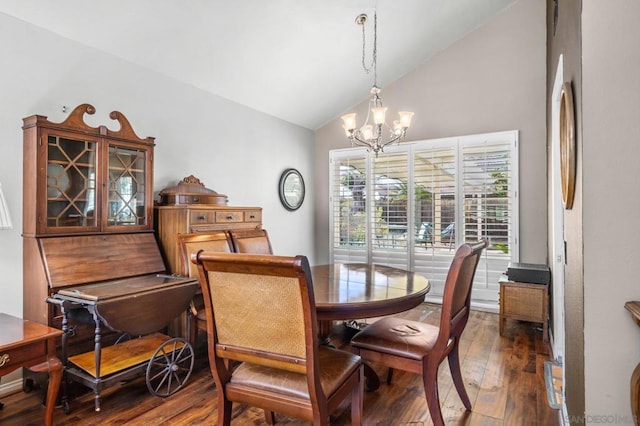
201	217
4	359
229	217
196	199
252	217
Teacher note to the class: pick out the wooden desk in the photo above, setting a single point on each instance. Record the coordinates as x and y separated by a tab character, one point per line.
32	345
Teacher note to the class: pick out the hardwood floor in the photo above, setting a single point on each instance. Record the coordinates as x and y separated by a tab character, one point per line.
503	376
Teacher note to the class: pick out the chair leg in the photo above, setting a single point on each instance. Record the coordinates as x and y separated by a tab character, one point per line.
192	329
389	375
269	417
430	380
224	409
456	374
357	400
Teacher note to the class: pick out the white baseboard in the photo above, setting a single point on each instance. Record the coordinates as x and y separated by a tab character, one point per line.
10	387
478	305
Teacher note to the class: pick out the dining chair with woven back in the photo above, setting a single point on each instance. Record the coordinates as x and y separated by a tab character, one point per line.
249	300
251	241
218	241
420	348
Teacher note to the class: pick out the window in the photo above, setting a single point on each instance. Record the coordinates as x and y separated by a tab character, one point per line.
412	206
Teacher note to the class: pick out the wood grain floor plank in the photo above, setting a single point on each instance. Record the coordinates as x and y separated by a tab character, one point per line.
492	396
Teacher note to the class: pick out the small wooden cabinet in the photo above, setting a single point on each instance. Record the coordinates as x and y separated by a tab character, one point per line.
524	302
190	207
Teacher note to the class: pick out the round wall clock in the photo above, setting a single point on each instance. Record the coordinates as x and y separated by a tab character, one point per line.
291	189
567	146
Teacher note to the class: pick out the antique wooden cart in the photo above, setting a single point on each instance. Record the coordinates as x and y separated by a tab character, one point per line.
136	307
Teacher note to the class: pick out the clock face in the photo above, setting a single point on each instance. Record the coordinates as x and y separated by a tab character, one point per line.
567	146
291	189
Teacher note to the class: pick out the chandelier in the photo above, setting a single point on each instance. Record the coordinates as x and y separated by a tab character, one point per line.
370	135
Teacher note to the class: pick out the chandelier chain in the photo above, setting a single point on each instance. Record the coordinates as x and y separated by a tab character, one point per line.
374	54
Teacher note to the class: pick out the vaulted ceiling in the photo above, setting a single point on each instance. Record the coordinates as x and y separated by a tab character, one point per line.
299	60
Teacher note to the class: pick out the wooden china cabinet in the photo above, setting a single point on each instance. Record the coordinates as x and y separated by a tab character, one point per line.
79	180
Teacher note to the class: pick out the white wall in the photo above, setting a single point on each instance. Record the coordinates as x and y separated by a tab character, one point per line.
611	201
494	79
232	149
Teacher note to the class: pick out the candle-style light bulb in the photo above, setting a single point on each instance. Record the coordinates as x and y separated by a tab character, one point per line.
405	118
349	121
379	114
366	132
397	128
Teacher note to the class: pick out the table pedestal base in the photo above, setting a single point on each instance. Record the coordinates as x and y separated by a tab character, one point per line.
372	381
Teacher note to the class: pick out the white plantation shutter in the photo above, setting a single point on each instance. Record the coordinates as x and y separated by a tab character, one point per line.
389	222
435	201
348	207
412	206
488	183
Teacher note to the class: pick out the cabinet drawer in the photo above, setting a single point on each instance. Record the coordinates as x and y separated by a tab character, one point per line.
253	216
229	217
23	355
198	199
202	216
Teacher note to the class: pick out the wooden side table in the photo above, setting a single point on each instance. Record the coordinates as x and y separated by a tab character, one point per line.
634	309
524	302
32	345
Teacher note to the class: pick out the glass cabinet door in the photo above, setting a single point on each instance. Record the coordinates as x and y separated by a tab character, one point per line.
71	183
126	195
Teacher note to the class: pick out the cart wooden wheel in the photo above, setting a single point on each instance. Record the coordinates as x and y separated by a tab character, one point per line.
170	367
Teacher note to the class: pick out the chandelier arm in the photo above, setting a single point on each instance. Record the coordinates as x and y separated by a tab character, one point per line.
374	144
392	140
361	142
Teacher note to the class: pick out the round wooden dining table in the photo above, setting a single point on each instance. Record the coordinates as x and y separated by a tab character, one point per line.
351	291
345	291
